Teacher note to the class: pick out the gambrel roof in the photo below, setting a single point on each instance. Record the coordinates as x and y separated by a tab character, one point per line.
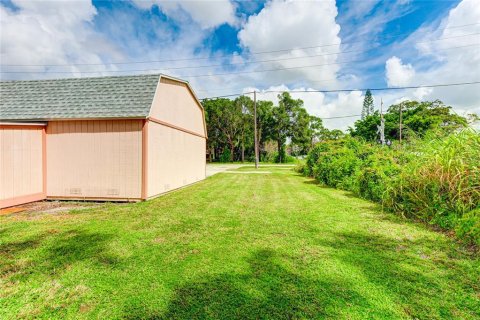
79	98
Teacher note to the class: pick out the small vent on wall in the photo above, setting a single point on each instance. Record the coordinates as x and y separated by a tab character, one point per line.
113	192
75	191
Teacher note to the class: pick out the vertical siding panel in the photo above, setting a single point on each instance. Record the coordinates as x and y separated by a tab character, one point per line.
29	177
50	154
60	159
128	161
2	163
17	160
20	158
115	157
91	160
7	161
3	185
103	161
175	159
12	163
139	144
33	161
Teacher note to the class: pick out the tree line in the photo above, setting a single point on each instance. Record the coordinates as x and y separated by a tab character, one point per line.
230	126
290	130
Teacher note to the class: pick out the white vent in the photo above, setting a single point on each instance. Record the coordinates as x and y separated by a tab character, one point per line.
75	191
113	192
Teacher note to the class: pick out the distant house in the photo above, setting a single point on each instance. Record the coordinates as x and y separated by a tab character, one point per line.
125	138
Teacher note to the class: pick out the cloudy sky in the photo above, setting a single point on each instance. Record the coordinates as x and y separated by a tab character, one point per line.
227	47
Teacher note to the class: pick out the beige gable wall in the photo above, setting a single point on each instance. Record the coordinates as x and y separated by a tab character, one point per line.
21	165
175	104
175	158
100	159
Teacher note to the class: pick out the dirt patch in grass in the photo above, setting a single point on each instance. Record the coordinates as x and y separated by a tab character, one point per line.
35	210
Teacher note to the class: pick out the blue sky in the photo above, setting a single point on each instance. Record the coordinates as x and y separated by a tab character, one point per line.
224	47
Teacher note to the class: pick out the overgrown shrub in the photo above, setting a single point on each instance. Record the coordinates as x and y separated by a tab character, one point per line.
273	157
468	226
442	182
376	174
333	163
226	156
436	180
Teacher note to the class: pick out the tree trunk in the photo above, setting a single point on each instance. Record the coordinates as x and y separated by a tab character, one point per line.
232	148
279	147
243	152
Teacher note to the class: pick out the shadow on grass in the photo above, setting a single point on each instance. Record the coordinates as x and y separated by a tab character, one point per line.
413	279
78	245
267	291
394	279
52	253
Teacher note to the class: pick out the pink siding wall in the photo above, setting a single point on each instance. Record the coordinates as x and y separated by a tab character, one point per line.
21	165
174	104
175	158
96	159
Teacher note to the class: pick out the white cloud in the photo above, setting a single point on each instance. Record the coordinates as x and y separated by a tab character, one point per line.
295	24
445	65
422	93
319	104
397	73
207	14
51	33
359	9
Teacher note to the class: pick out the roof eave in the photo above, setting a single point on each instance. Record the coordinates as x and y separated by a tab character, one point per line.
73	119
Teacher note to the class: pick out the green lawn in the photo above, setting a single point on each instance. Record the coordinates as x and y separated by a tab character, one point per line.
241	246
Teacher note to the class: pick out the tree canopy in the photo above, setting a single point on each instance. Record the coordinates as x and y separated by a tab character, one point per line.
231	133
368	107
418	118
288	125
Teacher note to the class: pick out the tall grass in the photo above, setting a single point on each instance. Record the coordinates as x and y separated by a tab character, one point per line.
436	180
442	182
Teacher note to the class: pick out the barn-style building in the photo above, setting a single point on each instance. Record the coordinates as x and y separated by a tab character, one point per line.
125	138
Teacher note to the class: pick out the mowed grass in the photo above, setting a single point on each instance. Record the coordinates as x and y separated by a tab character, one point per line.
235	246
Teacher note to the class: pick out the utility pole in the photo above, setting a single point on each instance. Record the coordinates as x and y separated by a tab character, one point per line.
255	127
382	124
400	126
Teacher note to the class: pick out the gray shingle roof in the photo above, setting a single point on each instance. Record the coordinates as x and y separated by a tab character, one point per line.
79	98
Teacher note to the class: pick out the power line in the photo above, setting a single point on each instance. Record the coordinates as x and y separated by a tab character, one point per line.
184	76
381	89
199	75
224	56
342	117
228	95
350	90
237	63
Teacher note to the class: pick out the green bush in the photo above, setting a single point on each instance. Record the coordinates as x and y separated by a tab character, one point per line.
468	227
376	174
335	163
226	156
436	180
273	157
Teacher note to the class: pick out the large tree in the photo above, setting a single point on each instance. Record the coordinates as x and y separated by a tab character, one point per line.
244	109
213	117
368	107
285	122
316	130
417	119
